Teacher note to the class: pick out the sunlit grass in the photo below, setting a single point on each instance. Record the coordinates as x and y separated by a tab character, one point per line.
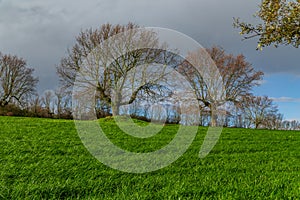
45	159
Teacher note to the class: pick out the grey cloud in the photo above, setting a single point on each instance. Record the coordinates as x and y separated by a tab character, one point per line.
41	31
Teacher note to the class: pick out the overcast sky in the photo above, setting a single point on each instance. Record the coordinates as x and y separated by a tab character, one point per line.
41	31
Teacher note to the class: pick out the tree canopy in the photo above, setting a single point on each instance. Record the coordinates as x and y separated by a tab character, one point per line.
238	78
103	60
280	24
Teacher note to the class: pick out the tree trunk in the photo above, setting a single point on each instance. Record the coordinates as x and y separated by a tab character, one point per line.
256	125
116	109
213	120
116	104
213	116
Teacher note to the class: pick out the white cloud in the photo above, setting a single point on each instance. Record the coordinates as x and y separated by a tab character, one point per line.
285	99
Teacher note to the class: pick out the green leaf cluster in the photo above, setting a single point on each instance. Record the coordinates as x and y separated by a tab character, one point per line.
280	24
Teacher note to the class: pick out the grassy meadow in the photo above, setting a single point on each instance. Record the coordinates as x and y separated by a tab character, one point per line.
45	159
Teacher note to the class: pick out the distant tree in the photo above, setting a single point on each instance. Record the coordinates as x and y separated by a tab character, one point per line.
60	101
16	79
238	79
47	101
94	49
34	105
295	125
286	125
273	121
290	125
281	24
260	111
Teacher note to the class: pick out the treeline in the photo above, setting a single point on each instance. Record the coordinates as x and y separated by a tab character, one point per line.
149	94
51	104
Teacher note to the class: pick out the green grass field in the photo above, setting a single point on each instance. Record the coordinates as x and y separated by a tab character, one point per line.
45	159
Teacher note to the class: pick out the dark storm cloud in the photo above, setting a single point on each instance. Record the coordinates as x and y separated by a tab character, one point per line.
41	31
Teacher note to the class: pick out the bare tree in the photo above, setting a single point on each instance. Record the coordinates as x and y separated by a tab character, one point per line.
260	111
48	101
274	121
34	105
16	79
238	78
105	67
58	101
290	125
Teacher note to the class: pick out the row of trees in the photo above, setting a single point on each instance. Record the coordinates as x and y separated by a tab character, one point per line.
89	59
103	68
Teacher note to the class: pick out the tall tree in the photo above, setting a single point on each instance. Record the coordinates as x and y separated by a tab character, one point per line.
238	79
16	79
281	24
98	58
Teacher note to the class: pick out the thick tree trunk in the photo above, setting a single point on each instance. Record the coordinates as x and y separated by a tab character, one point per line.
213	115
213	119
116	104
116	109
